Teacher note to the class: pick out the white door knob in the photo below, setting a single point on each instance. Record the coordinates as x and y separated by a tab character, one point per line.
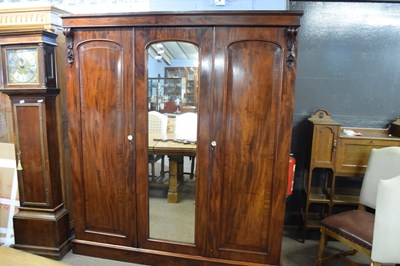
130	137
213	144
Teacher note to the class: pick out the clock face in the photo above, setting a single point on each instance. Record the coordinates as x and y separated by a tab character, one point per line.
22	66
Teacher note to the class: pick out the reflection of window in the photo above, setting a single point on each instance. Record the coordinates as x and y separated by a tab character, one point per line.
6	133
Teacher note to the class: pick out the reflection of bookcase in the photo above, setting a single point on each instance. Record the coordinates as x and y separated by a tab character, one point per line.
189	76
163	90
338	163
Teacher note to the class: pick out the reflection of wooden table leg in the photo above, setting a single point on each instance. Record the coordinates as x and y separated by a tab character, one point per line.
175	176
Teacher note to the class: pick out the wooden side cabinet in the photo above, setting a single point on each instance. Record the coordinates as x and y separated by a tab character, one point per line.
323	154
335	154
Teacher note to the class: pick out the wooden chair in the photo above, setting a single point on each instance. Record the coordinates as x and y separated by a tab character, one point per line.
355	228
158	125
386	238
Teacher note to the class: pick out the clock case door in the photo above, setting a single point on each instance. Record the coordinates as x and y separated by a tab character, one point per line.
45	45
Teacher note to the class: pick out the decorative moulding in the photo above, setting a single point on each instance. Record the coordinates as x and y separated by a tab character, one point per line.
321	116
31	18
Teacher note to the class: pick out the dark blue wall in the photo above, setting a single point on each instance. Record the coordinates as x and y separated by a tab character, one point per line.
349	65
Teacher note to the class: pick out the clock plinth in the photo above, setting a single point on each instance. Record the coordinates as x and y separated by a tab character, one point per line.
42	224
42	232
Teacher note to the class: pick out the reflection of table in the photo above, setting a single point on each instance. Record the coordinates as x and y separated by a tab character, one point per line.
175	152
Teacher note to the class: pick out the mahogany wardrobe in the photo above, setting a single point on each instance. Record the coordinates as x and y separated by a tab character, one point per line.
246	72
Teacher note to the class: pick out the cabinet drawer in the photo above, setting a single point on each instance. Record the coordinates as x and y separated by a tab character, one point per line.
353	153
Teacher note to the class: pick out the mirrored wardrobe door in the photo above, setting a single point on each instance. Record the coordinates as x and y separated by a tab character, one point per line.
172	78
171	185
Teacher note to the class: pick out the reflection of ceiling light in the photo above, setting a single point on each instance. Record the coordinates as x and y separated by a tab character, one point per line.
158	57
159	45
160	51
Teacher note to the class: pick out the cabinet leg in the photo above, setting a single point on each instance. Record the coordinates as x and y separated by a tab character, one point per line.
332	198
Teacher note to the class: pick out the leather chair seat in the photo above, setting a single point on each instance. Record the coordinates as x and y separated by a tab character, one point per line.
347	225
355	229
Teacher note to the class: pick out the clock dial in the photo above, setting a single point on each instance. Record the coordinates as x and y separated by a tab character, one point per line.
22	66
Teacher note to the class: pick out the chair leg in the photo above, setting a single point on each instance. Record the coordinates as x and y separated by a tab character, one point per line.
153	171
192	158
322	244
374	263
162	173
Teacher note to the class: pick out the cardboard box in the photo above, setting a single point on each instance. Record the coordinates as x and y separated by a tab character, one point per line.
9	201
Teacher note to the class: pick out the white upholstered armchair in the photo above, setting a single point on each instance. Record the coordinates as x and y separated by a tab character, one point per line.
386	238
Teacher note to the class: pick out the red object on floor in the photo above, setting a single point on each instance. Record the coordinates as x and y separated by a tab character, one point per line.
292	168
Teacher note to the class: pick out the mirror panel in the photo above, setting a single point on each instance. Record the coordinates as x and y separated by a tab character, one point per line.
172	82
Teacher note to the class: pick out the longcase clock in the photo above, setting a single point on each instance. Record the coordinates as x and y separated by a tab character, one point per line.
29	78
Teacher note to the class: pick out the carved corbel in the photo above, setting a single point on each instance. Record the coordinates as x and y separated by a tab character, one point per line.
291	35
69	34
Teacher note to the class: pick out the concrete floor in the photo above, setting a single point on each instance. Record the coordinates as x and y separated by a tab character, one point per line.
294	253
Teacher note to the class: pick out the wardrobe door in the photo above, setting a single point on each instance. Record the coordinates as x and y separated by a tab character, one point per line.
160	226
252	117
101	115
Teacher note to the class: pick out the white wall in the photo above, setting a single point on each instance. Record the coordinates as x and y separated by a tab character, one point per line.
107	6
